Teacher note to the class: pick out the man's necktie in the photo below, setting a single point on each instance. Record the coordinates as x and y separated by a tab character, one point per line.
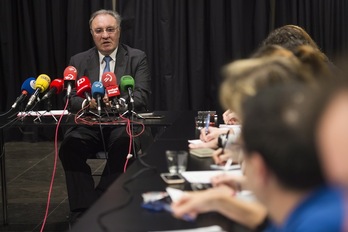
107	63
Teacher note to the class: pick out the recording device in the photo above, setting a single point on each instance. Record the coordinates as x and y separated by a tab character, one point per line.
172	178
112	91
83	88
98	93
56	87
28	86
70	74
41	84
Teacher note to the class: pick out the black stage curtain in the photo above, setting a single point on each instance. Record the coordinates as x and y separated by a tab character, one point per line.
39	36
325	20
187	43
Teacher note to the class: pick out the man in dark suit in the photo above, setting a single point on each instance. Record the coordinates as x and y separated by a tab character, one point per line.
83	142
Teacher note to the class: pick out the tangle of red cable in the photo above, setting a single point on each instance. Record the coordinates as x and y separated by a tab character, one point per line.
54	167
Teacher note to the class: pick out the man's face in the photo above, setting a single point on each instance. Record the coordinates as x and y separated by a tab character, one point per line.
106	33
333	140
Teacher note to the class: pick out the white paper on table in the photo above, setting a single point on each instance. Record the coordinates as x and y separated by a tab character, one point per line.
201	229
175	194
195	141
229	126
204	177
43	113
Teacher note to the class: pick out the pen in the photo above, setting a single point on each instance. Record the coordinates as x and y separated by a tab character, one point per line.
228	164
207	122
224	146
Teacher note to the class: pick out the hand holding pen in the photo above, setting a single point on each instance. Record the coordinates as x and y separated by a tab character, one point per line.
220	156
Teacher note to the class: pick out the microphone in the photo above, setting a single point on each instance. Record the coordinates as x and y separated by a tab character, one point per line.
28	86
70	74
98	93
112	91
83	88
41	84
127	84
56	87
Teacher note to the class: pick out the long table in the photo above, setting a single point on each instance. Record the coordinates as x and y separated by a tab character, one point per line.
119	208
67	121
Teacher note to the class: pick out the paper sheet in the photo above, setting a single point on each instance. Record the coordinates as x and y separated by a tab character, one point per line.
204	177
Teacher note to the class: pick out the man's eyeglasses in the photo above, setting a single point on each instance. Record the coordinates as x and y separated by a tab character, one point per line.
109	30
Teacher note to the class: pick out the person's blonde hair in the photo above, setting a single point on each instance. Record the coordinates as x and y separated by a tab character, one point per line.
244	78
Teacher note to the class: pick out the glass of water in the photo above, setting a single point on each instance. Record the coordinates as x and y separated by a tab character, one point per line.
176	161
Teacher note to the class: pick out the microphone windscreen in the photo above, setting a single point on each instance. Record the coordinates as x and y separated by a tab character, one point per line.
70	73
127	82
59	84
98	89
109	79
42	82
83	85
29	85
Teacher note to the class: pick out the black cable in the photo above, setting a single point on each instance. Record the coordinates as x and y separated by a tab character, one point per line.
14	115
3	150
132	134
104	145
9	123
124	204
6	112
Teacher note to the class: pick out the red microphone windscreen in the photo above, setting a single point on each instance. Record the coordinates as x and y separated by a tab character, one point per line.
70	73
83	85
59	84
109	79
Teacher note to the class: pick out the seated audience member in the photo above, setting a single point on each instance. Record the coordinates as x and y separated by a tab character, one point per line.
230	118
291	37
309	59
282	163
332	133
282	168
243	78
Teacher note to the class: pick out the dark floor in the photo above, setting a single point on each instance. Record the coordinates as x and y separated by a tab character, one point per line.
29	170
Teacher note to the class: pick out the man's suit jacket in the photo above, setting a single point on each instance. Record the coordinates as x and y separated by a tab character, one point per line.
129	61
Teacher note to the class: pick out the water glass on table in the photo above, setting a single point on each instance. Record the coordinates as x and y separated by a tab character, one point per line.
176	161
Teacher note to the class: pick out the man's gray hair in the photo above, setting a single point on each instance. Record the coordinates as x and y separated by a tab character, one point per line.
114	14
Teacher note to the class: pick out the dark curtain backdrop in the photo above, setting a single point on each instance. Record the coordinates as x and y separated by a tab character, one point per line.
187	41
325	20
39	36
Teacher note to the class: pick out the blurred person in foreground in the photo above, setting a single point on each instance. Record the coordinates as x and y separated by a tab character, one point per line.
282	168
243	79
332	134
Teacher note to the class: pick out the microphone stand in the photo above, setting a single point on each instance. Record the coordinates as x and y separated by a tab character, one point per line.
48	110
130	111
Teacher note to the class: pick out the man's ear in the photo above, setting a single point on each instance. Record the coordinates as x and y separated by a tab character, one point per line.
262	174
